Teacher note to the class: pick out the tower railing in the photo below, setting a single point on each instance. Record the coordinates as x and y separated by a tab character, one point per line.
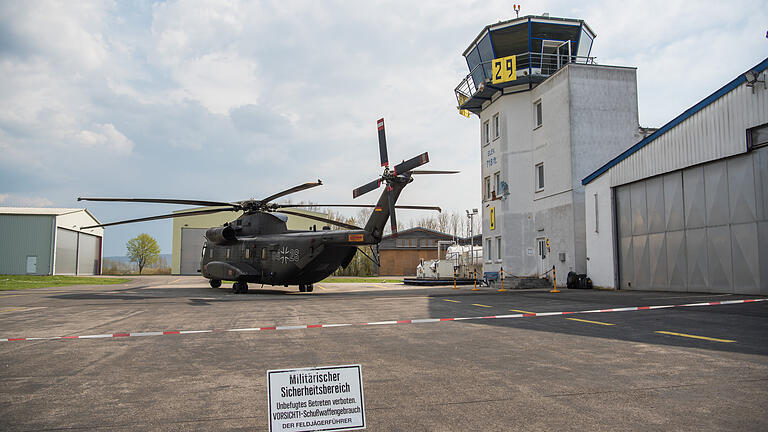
527	64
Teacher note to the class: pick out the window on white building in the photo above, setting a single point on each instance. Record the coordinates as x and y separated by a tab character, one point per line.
539	177
486	133
498	249
596	218
487	188
497	183
488	252
538	120
496	127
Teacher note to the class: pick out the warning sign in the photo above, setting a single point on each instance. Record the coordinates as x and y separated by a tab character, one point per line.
316	399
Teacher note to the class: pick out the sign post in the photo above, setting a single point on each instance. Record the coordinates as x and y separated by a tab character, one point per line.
316	399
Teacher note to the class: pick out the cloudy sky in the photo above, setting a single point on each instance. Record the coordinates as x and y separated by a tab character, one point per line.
238	99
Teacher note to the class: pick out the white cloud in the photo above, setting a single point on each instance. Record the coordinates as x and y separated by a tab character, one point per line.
105	137
23	201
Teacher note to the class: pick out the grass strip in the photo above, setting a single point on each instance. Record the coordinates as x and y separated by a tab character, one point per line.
20	282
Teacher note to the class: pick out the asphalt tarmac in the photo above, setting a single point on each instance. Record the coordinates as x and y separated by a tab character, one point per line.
678	368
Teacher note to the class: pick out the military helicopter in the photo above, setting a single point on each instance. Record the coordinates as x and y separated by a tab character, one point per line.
258	248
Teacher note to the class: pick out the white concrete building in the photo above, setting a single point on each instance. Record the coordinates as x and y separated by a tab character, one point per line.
540	134
48	241
686	209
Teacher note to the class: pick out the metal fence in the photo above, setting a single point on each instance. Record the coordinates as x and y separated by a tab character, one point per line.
527	64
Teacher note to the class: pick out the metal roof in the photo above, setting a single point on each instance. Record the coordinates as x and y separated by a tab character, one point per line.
676	121
525	19
41	211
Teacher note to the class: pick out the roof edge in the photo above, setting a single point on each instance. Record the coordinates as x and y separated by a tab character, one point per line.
740	79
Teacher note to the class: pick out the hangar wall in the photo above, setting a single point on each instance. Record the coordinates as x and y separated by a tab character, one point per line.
685	208
23	236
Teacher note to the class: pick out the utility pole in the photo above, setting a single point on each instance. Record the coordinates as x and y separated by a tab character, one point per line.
471	215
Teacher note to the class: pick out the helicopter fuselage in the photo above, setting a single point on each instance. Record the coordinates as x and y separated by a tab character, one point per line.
279	258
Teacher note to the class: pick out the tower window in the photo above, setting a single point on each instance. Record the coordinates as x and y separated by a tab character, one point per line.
487	188
486	133
539	177
497	183
537	108
496	130
488	251
498	248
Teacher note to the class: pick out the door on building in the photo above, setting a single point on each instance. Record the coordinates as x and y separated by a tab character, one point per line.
192	240
541	247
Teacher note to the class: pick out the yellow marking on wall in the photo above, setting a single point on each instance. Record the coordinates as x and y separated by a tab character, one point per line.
591	322
481	305
493	218
521	311
452	301
504	69
696	337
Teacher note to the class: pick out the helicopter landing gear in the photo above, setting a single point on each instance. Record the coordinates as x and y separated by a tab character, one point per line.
309	288
240	288
215	283
306	288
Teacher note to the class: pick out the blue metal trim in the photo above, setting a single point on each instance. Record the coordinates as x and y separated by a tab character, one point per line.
578	38
530	70
490	39
676	121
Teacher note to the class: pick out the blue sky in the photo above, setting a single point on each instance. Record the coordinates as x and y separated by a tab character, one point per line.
238	99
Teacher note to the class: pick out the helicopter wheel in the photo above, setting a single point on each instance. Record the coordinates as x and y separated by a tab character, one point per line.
302	288
236	288
310	287
215	283
243	287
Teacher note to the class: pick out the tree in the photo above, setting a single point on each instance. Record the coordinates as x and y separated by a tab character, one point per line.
143	250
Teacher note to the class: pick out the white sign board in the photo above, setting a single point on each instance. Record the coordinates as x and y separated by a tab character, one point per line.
316	399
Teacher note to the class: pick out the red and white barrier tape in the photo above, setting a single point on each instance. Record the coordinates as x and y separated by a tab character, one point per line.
410	321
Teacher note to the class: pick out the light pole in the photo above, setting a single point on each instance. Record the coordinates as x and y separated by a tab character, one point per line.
471	215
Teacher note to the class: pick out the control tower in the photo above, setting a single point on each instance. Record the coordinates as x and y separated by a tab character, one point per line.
549	116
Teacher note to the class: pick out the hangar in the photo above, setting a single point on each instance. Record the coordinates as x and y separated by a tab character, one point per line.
189	235
49	241
686	208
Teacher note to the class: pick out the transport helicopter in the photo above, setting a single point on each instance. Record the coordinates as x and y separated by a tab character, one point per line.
257	247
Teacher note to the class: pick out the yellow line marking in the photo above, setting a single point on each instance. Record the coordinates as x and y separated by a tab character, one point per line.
12	295
321	287
475	304
173	282
452	301
14	309
588	321
521	311
696	337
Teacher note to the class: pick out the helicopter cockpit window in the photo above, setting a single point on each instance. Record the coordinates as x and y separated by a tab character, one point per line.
228	251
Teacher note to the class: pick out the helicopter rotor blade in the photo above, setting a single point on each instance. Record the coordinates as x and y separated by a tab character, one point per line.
294	189
164	201
408	207
165	216
411	163
321	219
364	189
392	218
422	172
382	143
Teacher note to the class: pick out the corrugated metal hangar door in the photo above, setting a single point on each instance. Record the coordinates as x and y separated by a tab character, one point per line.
702	229
192	240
